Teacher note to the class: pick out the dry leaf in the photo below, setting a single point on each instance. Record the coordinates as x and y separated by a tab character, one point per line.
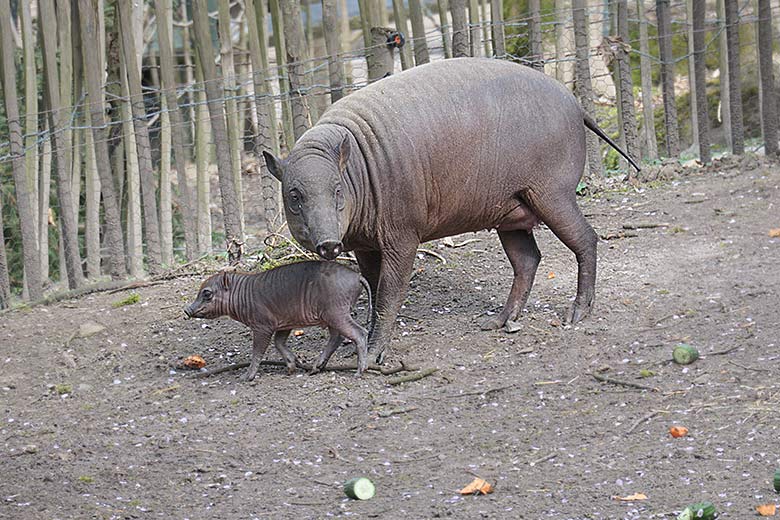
551	275
631	498
774	233
298	332
194	362
766	509
477	486
678	431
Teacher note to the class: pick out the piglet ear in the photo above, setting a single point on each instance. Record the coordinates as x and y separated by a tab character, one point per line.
225	281
344	150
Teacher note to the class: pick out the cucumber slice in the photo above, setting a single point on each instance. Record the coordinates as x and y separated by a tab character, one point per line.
777	481
700	511
359	488
684	354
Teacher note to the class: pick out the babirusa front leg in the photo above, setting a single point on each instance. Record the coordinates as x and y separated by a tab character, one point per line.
260	340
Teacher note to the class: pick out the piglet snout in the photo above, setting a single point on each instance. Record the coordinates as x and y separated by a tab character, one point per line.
187	311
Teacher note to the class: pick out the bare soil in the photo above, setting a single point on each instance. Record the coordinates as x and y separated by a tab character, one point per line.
103	427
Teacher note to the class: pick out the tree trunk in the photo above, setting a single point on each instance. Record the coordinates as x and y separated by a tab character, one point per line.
148	184
44	198
280	51
31	122
228	73
724	110
485	30
562	66
628	113
535	31
418	31
166	203
234	234
262	39
202	155
296	71
168	83
379	54
24	202
5	282
700	77
768	102
460	35
265	130
497	27
365	21
92	217
474	34
689	7
651	145
133	222
735	81
399	15
64	35
583	88
667	77
189	80
59	119
330	29
443	24
94	74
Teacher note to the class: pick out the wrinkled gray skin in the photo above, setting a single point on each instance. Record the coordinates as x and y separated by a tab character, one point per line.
278	300
445	148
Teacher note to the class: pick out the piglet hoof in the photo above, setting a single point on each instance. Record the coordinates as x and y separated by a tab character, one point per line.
249	376
315	370
291	368
492	323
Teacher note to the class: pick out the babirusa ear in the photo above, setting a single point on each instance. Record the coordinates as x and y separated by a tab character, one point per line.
273	164
225	280
344	151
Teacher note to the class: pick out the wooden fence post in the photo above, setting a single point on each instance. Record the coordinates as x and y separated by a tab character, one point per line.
497	27
460	35
332	34
379	55
399	15
418	30
628	114
583	88
296	70
535	33
768	101
723	57
474	36
700	77
667	77
443	24
650	143
735	81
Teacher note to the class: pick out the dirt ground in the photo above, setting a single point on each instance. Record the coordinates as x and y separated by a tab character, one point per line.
103	427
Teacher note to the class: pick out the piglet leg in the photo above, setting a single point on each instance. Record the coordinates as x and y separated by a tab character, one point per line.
280	340
260	340
333	343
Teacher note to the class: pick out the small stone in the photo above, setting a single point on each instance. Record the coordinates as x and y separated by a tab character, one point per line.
512	326
90	329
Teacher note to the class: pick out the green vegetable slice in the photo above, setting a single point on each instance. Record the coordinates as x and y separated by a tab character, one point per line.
700	511
359	488
685	354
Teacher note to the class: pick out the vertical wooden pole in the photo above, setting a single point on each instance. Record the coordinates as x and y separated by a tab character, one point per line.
650	143
330	29
535	29
497	27
724	110
583	88
399	14
474	32
485	29
689	7
444	27
768	102
296	55
667	77
735	80
626	85
280	51
460	35
418	29
700	79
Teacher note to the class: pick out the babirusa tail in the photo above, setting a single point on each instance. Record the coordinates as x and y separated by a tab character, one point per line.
591	124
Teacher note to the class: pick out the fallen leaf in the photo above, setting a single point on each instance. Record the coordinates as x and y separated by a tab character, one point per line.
477	486
551	275
631	498
194	362
774	233
298	332
766	509
678	431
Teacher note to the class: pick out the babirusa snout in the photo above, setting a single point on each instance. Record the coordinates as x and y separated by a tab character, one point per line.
329	249
188	310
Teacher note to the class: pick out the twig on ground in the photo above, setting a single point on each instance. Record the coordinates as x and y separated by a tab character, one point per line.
395	411
722	352
330	368
746	367
412	377
481	392
645	225
543	459
629	384
335	454
642	420
619	234
433	254
136	285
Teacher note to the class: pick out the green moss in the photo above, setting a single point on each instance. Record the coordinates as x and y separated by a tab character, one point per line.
130	300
